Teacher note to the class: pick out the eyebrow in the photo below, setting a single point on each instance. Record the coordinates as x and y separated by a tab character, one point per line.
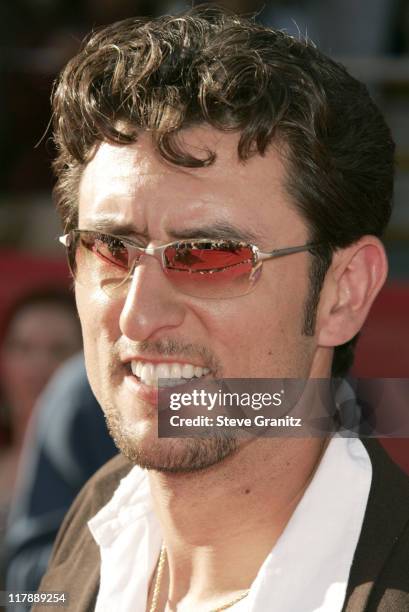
224	230
217	230
109	225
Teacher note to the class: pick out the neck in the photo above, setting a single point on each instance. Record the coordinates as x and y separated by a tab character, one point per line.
219	524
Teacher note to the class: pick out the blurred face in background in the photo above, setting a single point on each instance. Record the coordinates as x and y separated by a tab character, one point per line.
38	339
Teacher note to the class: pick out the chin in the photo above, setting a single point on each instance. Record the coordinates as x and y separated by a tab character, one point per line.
139	442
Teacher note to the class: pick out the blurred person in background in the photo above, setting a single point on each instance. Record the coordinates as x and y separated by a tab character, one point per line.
40	331
67	442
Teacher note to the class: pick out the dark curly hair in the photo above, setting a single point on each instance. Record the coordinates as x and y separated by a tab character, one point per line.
209	66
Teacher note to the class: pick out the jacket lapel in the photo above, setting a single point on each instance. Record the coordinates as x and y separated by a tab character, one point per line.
384	521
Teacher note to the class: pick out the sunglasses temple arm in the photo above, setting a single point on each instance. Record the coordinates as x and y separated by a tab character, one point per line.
283	252
64	239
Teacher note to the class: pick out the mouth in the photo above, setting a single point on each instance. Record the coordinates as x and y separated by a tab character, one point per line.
164	374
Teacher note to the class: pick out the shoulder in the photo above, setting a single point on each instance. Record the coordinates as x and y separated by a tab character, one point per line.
95	494
379	578
75	563
390	484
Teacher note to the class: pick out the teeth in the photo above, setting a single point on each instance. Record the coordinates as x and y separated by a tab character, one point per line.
136	368
163	370
148	373
170	374
188	371
175	370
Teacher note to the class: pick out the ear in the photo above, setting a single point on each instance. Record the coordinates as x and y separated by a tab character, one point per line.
353	281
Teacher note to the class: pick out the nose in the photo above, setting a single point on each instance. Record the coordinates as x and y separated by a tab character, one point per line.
152	305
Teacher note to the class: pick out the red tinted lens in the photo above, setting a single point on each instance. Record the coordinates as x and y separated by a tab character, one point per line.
211	269
208	256
99	260
109	249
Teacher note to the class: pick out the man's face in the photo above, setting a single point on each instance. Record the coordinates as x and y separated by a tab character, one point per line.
258	335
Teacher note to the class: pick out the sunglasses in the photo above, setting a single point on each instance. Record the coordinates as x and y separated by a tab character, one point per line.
215	269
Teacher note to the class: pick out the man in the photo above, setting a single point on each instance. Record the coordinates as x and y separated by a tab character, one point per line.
185	143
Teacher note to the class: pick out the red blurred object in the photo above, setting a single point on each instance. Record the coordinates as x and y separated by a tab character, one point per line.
22	272
383	347
398	450
383	351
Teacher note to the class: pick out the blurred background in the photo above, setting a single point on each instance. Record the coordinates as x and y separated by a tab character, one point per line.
37	37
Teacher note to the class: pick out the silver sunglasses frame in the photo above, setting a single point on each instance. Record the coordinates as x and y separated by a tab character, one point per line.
158	252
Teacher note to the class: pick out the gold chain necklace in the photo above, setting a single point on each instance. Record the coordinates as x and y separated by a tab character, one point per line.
158	581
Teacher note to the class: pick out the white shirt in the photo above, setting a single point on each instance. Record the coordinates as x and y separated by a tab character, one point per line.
306	571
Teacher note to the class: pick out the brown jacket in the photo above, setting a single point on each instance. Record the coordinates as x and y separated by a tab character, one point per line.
379	576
